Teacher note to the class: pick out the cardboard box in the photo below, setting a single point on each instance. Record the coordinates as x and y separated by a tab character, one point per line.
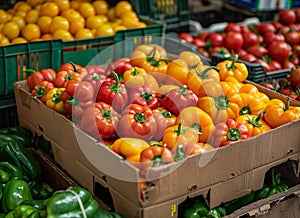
221	175
279	205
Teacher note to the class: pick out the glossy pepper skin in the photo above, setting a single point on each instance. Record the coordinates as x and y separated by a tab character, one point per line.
152	58
40	190
137	121
10	172
65	204
179	135
277	113
14	192
26	211
129	148
198	119
229	131
114	93
143	95
100	120
230	68
17	154
178	99
53	100
197	210
136	76
235	204
250	104
200	75
156	156
180	67
254	123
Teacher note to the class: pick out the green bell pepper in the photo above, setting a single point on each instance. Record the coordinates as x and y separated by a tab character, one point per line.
40	190
213	213
13	171
14	192
277	185
26	211
27	142
197	209
235	204
38	204
15	152
18	130
67	204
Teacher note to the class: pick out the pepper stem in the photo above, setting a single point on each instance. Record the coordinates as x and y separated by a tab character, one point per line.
222	102
234	134
203	74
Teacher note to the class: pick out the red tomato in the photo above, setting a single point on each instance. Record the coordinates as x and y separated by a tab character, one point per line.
292	38
186	37
288	65
248	58
287	16
263	28
231	26
258	51
297	12
270	37
250	39
233	40
264	64
279	51
295	77
214	40
275	65
199	43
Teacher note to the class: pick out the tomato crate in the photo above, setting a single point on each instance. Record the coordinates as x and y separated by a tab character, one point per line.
256	72
175	13
33	55
83	51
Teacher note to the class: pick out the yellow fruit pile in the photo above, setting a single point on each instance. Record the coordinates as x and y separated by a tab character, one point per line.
33	20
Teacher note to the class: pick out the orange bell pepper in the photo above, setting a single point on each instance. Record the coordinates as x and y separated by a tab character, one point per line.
137	76
198	119
254	123
201	74
250	104
277	113
180	67
179	135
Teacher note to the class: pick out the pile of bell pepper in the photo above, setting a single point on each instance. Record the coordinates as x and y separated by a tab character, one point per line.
24	194
153	110
198	207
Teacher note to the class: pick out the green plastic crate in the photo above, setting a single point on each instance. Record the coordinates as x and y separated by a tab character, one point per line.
83	51
8	111
34	55
175	13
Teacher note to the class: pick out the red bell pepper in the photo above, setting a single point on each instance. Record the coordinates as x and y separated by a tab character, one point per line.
178	99
38	76
137	121
100	120
77	97
229	131
40	91
71	67
143	95
63	77
164	119
113	93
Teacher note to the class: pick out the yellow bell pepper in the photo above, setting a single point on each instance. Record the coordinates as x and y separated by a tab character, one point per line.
129	148
54	101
